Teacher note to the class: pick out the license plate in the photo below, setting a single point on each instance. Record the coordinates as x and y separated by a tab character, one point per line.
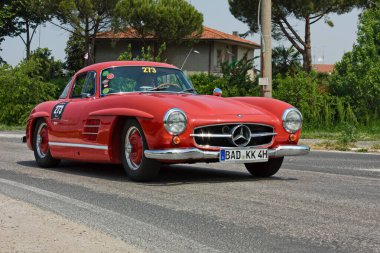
243	155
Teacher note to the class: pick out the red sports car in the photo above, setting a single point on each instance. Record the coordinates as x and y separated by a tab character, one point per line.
142	114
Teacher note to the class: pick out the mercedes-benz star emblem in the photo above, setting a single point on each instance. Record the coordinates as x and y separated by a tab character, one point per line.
241	135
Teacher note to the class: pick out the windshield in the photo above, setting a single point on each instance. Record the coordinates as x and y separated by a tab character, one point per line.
143	79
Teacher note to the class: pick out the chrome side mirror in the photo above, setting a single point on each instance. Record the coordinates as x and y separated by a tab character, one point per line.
217	92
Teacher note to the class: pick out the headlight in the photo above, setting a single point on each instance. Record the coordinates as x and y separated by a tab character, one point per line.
292	120
175	121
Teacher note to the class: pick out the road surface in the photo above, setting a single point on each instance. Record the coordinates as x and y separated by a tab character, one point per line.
324	202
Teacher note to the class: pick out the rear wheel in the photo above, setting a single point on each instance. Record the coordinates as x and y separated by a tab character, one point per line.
41	145
266	169
136	165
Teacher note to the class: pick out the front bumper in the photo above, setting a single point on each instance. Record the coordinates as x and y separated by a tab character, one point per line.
198	154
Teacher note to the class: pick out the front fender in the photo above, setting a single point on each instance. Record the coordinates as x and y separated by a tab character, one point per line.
122	112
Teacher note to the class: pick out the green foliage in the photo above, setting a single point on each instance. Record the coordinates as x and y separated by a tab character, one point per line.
285	60
6	26
146	54
235	80
205	83
307	92
48	68
21	89
85	19
75	51
23	17
356	76
168	21
308	11
348	135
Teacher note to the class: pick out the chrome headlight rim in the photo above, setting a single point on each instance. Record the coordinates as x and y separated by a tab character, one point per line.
284	119
166	120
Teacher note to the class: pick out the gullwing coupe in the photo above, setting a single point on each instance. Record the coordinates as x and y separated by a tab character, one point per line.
143	114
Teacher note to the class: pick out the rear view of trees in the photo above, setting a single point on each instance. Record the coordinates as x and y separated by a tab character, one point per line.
307	11
169	21
22	17
357	76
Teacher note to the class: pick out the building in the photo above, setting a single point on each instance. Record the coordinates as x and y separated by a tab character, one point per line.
324	68
213	48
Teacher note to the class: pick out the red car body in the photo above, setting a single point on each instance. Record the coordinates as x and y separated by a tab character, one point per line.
90	128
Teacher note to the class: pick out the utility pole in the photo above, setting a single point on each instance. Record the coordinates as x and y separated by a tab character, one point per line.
266	48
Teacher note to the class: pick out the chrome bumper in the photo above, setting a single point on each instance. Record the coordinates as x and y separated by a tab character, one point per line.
198	154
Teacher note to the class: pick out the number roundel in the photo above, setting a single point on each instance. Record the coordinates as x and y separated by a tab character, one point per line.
58	110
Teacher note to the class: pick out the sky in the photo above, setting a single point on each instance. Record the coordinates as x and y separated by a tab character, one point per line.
328	44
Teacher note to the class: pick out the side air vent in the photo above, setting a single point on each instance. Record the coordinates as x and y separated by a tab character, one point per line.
91	129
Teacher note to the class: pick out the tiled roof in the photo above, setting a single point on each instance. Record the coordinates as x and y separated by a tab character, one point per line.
324	68
208	34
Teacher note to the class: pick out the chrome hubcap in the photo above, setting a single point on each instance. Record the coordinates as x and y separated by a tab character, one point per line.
133	148
42	141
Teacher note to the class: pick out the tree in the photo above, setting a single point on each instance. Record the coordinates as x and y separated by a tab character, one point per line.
356	76
285	60
48	68
23	17
6	29
20	90
84	18
307	11
75	51
168	21
146	54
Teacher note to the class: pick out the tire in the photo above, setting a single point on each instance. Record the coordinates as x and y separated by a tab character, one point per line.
266	169
133	144
41	146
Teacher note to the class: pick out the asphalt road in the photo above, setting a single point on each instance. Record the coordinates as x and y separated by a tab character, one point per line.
324	202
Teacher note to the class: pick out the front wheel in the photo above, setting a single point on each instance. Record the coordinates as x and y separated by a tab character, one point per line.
41	145
266	169
136	165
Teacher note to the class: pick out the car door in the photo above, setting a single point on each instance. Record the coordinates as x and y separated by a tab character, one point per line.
68	116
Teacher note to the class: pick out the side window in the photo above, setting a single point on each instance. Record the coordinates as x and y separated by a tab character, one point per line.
89	85
66	90
84	85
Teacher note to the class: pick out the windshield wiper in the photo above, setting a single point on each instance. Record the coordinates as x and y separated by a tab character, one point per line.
162	86
188	90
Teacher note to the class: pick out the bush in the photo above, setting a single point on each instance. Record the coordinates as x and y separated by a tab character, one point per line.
234	81
307	92
21	89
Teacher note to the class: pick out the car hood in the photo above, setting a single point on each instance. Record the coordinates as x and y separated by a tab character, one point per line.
204	104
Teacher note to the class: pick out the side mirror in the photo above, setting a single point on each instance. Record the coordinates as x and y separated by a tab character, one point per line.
217	92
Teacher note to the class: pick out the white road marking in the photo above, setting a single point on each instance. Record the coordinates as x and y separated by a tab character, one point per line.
149	230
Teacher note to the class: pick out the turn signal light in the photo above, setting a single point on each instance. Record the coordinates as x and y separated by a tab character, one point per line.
292	137
176	140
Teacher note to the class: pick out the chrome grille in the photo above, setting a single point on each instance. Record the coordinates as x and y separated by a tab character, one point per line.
226	135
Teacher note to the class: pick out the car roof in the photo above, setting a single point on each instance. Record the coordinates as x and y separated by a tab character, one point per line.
104	65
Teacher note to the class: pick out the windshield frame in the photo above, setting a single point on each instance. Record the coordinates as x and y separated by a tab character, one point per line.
185	77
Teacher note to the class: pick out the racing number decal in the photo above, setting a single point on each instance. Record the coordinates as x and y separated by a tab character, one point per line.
149	70
58	110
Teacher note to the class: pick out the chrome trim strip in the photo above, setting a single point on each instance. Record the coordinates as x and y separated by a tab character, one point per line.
77	145
263	135
230	135
212	135
90	133
198	154
234	123
91	125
